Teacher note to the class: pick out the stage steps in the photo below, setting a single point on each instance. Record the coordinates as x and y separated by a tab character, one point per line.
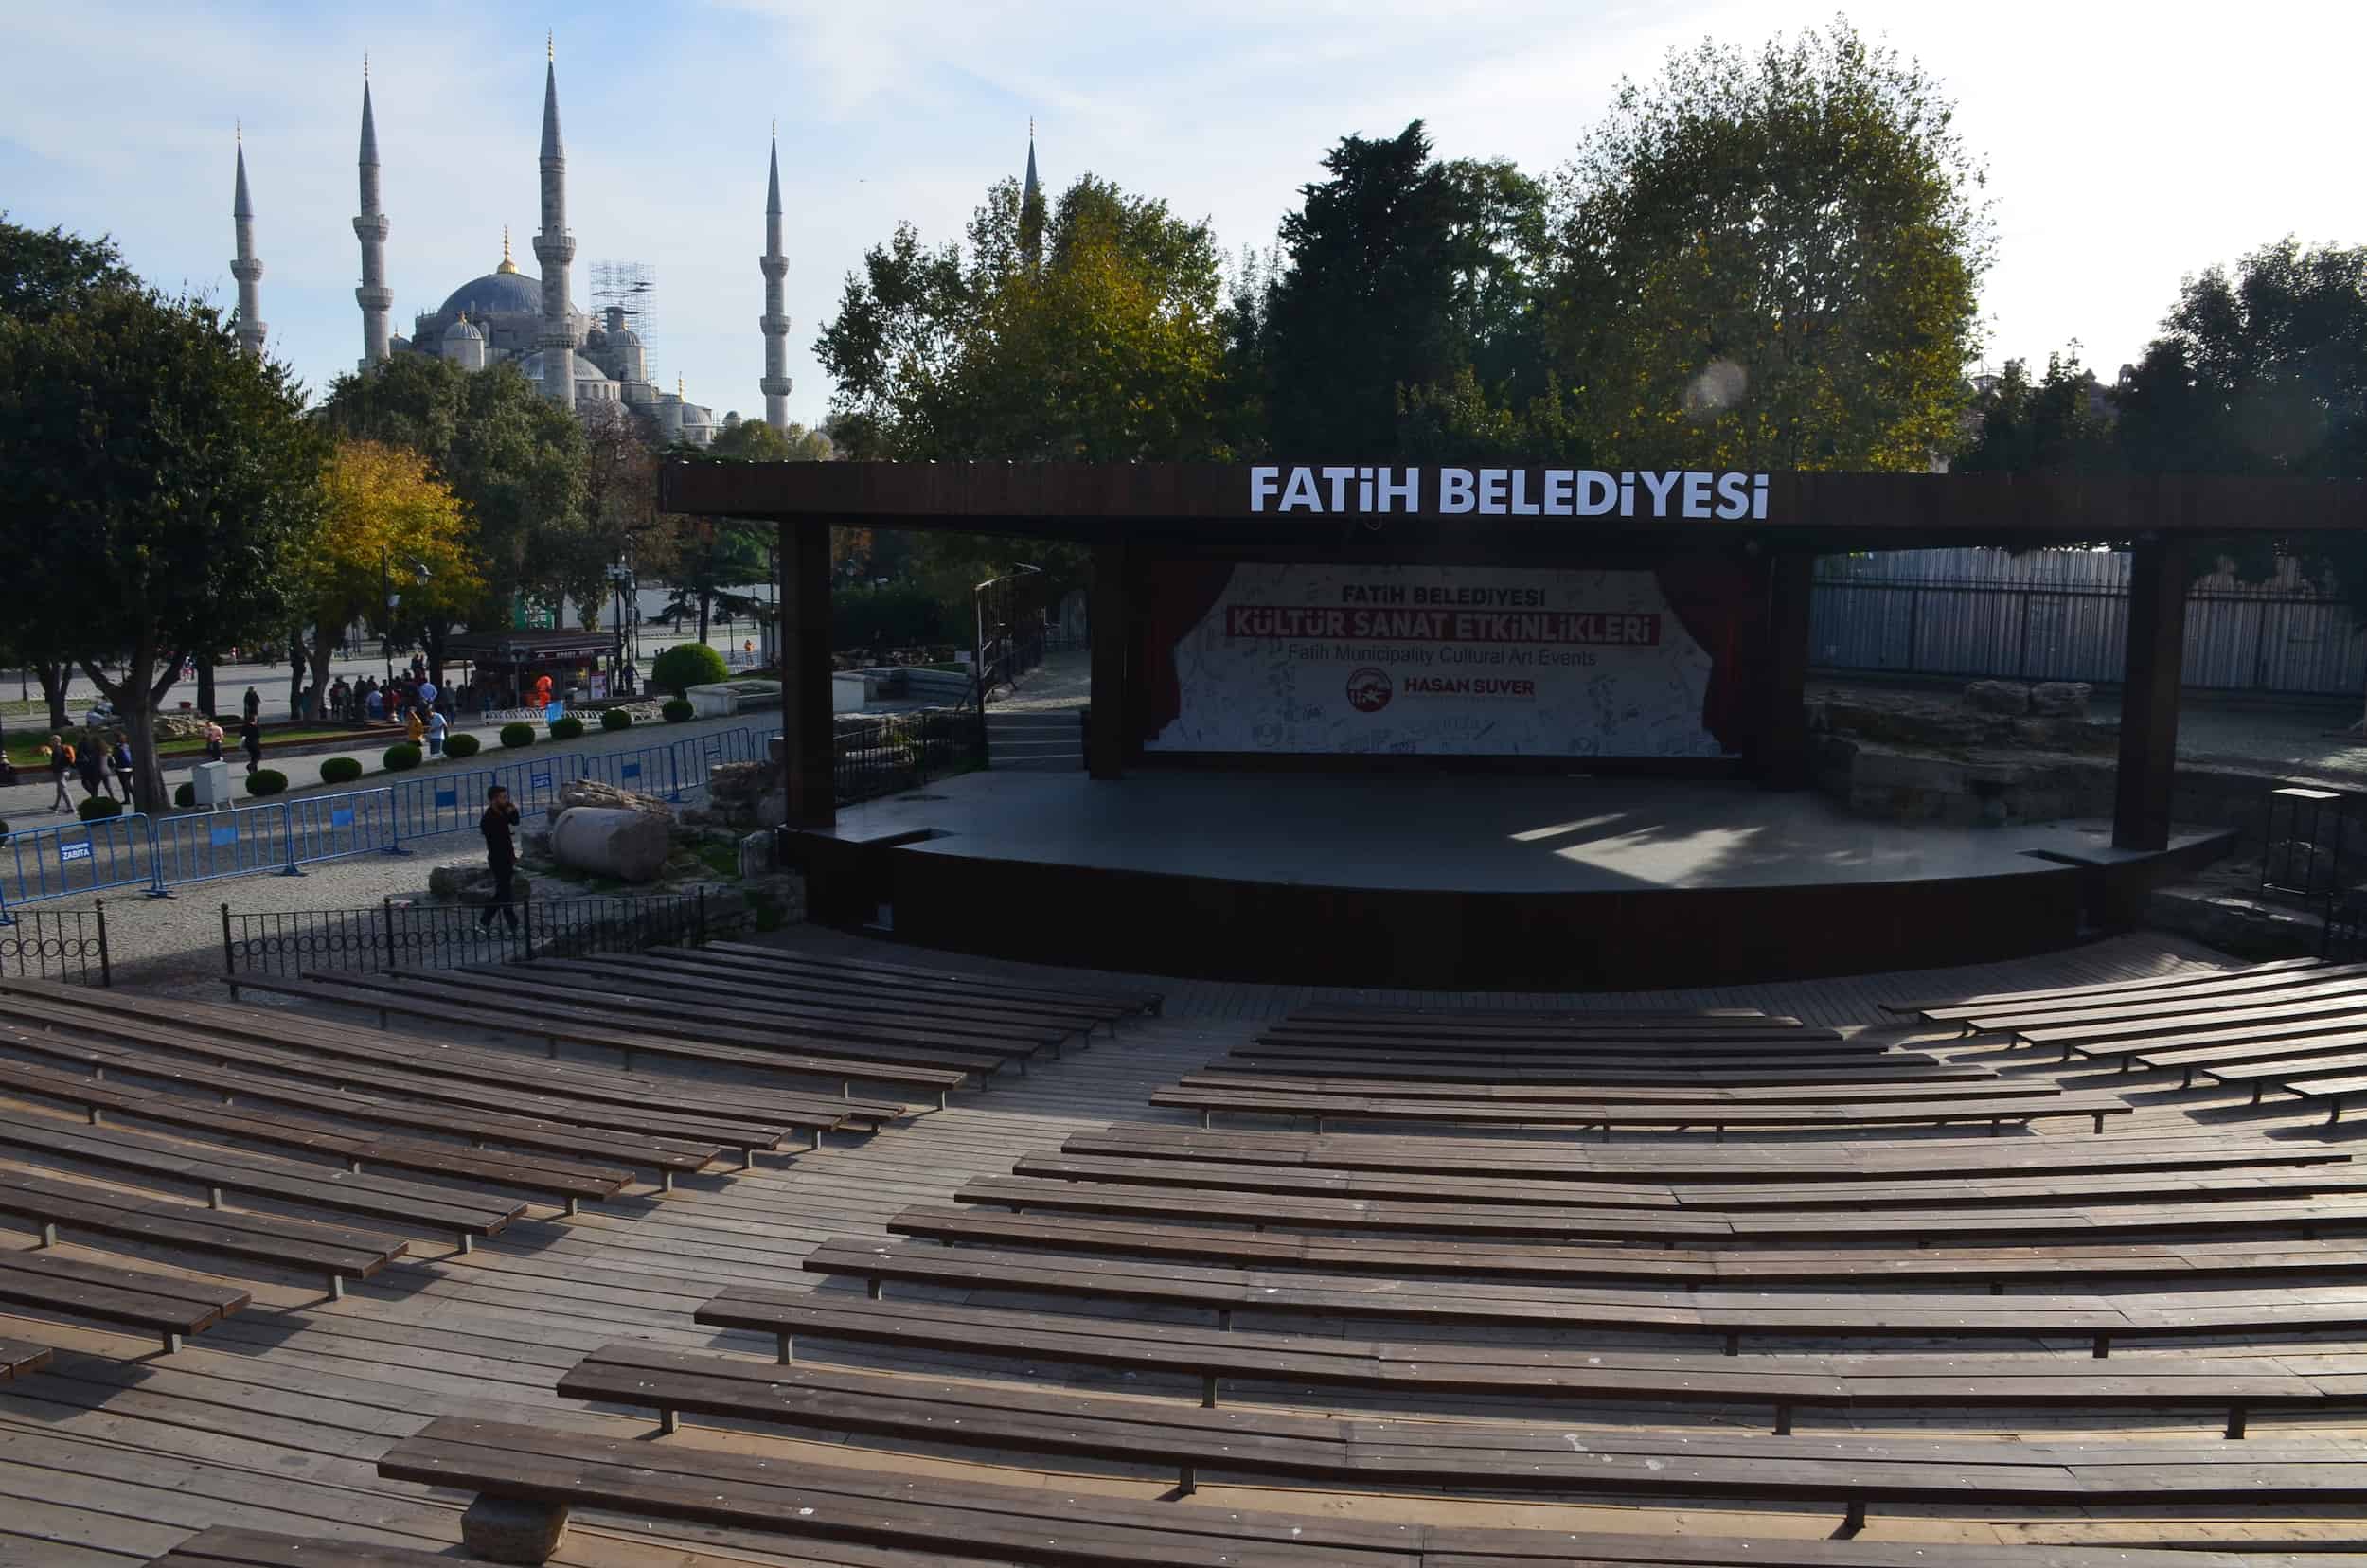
1036	741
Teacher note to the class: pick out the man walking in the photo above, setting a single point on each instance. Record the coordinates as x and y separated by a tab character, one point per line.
500	854
60	765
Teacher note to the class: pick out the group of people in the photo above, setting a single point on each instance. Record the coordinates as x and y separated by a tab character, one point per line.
105	765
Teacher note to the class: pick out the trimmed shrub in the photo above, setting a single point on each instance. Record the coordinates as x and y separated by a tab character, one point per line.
687	665
567	728
266	781
400	755
514	736
4	828
616	718
460	745
184	794
97	808
677	710
342	770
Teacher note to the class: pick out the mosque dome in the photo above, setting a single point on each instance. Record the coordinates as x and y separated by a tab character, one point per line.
495	294
461	330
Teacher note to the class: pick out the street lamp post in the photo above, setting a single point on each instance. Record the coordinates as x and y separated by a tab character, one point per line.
419	573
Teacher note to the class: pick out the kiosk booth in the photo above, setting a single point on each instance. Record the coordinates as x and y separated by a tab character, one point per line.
1443	644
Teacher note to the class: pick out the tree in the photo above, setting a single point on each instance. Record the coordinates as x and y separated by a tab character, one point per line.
1398	271
513	457
385	516
621	520
2060	422
176	476
1771	260
42	274
2262	371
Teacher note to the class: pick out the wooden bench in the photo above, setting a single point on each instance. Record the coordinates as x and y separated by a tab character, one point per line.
1123	1003
935	1517
305	1246
224	1546
563	1182
1960	1157
314	1035
1897	1067
220	1170
2200	1053
2101	987
694	972
2233	985
21	1358
325	1061
1717	1116
672	1382
554	1020
1951	1191
1676	1090
2308	1215
481	1128
2048	1264
1766	1044
2346	1001
845	1029
160	1303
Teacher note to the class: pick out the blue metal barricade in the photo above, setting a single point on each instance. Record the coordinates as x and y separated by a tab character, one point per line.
646	770
694	756
439	802
534	783
325	827
205	845
76	857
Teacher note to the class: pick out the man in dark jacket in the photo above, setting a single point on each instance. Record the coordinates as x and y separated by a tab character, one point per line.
501	853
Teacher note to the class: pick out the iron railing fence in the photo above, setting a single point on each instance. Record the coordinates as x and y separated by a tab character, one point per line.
2063	615
880	755
396	935
58	944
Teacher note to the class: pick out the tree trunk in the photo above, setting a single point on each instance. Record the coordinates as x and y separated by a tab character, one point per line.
53	678
296	673
323	653
706	602
135	698
205	685
433	634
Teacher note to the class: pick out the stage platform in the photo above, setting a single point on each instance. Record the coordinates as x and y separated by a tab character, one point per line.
1459	880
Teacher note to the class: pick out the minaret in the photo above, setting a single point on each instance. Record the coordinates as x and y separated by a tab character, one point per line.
1031	206
776	318
555	248
369	227
245	267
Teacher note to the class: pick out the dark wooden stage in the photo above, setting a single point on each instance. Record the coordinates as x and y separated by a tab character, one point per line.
1459	882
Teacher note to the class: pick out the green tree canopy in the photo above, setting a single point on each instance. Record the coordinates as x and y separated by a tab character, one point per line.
516	460
1770	259
176	477
1398	271
2060	422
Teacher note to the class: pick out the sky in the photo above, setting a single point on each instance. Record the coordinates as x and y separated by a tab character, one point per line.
2128	146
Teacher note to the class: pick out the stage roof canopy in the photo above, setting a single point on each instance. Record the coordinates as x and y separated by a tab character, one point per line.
1278	502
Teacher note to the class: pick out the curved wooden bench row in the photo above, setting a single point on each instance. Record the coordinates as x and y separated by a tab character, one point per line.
226	1547
1929	1192
52	1203
2255	981
1679	1092
1883	1161
1772	1044
216	1172
1717	1116
1120	1004
695	966
935	1516
1735	1317
159	1304
2204	1262
2103	988
2162	1021
557	1180
129	1060
1657	1067
530	1012
297	1045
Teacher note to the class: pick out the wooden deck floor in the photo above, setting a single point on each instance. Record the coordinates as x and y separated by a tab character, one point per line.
274	1420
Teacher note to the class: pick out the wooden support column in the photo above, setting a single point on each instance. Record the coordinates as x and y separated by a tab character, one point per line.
2158	577
806	743
1786	761
1112	632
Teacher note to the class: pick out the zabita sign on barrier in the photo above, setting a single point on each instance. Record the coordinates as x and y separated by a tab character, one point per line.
1439	661
1353	491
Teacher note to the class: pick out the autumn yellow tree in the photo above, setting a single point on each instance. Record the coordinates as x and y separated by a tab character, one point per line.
390	524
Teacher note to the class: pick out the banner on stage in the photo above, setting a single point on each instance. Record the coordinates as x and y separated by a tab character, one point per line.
1440	661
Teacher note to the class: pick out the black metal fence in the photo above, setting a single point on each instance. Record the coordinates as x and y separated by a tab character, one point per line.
883	753
58	944
398	935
